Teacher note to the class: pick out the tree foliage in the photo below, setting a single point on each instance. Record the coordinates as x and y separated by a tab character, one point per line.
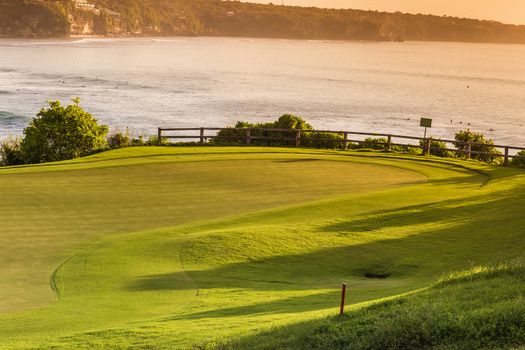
477	143
62	132
236	18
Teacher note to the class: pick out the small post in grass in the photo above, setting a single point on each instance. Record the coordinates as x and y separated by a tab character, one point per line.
159	134
343	298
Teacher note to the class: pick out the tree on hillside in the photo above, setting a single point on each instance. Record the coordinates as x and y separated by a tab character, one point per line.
59	133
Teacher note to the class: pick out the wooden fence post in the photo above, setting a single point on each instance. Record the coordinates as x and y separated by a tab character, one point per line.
428	143
343	300
389	143
248	136
506	161
345	142
298	138
159	135
469	150
202	135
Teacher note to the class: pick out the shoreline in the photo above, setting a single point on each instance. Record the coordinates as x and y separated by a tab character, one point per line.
73	38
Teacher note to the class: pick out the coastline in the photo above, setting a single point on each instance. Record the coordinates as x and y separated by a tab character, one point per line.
74	37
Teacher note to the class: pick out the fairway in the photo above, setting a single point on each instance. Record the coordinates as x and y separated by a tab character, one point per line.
176	247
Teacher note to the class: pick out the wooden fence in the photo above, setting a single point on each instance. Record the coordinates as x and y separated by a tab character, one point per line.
296	137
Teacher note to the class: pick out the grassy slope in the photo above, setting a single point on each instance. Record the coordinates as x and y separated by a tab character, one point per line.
481	308
162	256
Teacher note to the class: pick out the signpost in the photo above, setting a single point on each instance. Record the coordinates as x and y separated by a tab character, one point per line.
426	123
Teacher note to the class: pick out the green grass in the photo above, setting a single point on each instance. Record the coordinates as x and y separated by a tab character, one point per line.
481	308
152	248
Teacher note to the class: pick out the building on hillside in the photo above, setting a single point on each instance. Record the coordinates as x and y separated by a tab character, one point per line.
86	6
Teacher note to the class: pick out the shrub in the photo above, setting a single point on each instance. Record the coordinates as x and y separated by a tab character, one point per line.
407	149
59	133
481	145
118	139
11	152
155	141
437	148
519	162
139	141
378	143
286	121
322	140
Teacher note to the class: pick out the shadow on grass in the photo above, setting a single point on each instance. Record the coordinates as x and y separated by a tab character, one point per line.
411	262
296	304
453	210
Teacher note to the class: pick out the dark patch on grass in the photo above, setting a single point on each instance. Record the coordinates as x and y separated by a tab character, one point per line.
300	160
377	275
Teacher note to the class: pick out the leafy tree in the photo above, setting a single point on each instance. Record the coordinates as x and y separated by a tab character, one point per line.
59	133
290	121
478	144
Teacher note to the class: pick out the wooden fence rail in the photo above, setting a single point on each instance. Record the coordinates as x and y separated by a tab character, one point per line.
294	136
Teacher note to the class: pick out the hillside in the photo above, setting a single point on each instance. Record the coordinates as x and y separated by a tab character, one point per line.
480	308
39	18
246	247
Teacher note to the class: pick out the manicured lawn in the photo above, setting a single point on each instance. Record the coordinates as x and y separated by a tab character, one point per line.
176	247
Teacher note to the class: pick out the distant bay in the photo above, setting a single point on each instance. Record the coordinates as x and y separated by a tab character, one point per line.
179	82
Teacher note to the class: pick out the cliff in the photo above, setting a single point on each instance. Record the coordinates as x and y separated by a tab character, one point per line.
40	18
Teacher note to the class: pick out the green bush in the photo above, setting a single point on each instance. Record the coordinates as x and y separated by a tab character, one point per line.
59	133
11	152
437	148
322	140
481	145
155	141
286	121
406	149
118	139
519	162
378	143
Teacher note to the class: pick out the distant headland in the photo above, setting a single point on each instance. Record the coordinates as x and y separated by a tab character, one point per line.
110	18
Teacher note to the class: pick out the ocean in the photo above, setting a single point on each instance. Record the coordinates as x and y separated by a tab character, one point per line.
145	83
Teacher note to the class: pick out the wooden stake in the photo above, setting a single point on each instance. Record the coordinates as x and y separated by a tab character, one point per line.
343	298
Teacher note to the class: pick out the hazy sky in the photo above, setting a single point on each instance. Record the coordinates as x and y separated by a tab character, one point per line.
509	11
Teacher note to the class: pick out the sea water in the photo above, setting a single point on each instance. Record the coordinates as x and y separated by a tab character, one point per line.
145	83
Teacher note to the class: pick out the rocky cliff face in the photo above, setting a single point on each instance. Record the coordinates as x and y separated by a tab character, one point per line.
31	19
104	23
37	18
62	18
